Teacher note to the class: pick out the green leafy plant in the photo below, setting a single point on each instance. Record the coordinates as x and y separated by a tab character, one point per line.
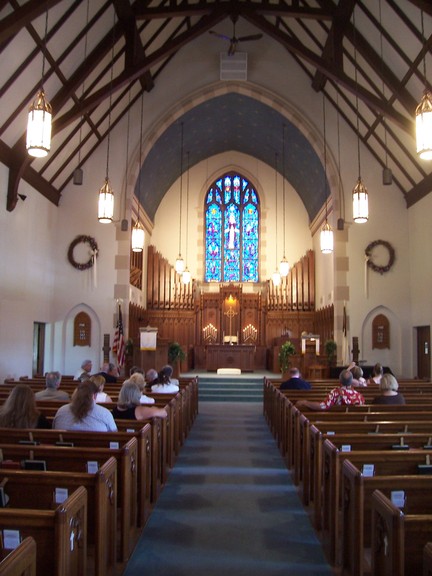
129	347
286	351
330	348
175	353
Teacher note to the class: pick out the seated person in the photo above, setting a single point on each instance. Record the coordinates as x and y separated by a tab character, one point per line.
389	391
151	378
83	413
165	384
341	395
139	379
295	381
135	369
377	374
129	406
52	385
101	396
357	372
110	372
20	410
85	370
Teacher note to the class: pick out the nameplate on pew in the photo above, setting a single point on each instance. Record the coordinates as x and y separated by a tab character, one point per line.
114	445
92	467
346	448
330	433
11	539
130	430
398	498
66	444
31	442
368	470
60	495
35	465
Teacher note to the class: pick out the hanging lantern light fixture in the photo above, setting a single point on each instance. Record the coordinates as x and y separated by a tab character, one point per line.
180	263
276	277
284	266
187	276
326	236
38	140
424	114
138	231
106	193
360	197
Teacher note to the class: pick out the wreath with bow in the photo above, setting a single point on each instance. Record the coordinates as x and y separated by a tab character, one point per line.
94	252
391	256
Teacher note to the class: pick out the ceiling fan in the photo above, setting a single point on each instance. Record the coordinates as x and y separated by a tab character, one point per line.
234	41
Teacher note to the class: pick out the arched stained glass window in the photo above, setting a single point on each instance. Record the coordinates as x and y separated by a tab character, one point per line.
232	230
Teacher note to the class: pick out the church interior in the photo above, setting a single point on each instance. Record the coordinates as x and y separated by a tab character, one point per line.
307	109
243	186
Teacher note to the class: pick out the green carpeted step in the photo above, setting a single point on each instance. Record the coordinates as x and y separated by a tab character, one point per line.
230	389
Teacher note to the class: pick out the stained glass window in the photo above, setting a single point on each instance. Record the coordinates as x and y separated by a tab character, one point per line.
232	230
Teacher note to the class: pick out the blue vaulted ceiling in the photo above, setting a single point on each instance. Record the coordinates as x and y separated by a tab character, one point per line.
239	123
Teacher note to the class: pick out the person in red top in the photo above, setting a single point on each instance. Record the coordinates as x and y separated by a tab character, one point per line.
342	395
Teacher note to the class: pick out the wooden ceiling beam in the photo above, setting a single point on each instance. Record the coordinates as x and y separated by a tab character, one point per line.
10	25
128	76
379	105
134	52
333	49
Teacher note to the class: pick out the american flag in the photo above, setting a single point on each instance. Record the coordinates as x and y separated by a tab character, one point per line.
118	346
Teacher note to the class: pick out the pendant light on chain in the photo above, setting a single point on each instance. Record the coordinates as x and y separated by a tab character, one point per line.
106	193
360	197
138	231
180	263
38	141
284	266
424	114
326	236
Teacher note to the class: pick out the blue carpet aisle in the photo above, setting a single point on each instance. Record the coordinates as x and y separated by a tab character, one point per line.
229	506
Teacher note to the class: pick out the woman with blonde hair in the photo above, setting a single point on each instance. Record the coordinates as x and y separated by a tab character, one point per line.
389	391
20	410
139	379
129	406
101	396
83	413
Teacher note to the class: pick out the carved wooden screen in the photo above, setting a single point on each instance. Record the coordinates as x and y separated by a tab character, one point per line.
82	330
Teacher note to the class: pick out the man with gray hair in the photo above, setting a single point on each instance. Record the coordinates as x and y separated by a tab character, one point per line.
52	392
85	370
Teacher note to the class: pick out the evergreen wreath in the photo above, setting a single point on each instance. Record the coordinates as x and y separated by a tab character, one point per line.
391	256
94	247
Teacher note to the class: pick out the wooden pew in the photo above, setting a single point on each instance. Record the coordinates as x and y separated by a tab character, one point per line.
98	440
60	534
358	436
21	561
386	462
357	491
398	538
68	459
101	486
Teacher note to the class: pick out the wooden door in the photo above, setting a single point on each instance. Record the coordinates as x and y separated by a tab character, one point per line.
423	352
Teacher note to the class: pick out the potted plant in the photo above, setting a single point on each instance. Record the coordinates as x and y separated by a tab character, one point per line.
286	351
176	355
330	348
